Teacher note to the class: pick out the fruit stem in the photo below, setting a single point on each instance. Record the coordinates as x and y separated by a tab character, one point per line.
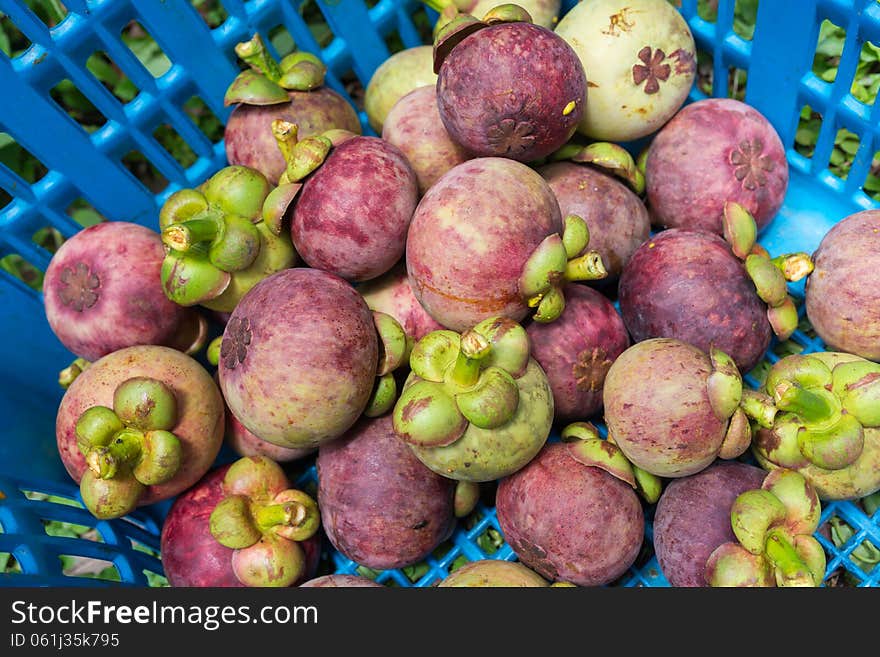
289	514
812	408
474	348
786	561
286	136
759	407
254	53
124	448
794	266
183	236
588	267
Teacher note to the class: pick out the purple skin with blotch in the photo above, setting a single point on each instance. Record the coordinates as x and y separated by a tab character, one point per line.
577	349
380	506
714	151
512	90
391	294
471	236
340	582
693	518
102	291
192	557
249	139
688	285
414	126
298	359
352	214
617	218
569	521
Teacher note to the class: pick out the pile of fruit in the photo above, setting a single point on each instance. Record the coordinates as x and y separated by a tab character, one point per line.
431	316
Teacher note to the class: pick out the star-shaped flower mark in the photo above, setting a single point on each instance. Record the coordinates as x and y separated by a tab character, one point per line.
236	339
749	166
511	136
80	287
652	70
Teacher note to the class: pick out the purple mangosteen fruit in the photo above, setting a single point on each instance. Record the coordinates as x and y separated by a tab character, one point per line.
488	239
576	350
392	294
241	525
715	151
734	525
672	408
696	287
102	293
828	424
842	295
404	71
640	60
139	426
568	515
299	358
616	217
352	214
493	573
413	125
507	87
476	406
380	506
292	90
223	237
245	443
337	581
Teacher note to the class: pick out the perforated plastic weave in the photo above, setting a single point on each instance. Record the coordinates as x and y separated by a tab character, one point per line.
89	166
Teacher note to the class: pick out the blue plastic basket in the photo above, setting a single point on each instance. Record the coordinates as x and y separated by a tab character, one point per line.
85	166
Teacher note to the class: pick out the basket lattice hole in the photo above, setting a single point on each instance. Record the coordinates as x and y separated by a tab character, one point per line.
21	162
745	14
55	499
424	26
146	49
154	579
736	83
809	127
354	88
13	42
84	213
71	530
866	556
705	71
74	565
200	114
212	12
489	541
829	47
846	145
51	12
48	238
316	23
23	270
172	142
144	171
394	42
111	76
281	40
77	106
8	563
867	78
708	10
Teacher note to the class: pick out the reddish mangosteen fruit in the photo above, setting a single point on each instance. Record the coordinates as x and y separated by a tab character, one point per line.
715	151
506	87
696	287
569	517
139	426
404	71
293	91
102	293
380	506
413	125
672	408
472	254
392	294
842	294
577	349
241	525
299	358
352	214
734	525
493	573
616	217
337	581
244	443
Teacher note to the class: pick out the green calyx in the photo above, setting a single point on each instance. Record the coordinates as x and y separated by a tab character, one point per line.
395	346
68	375
586	447
453	32
823	412
770	275
734	404
267	81
773	526
507	13
613	159
223	238
130	443
556	261
302	156
259	516
467	495
461	380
